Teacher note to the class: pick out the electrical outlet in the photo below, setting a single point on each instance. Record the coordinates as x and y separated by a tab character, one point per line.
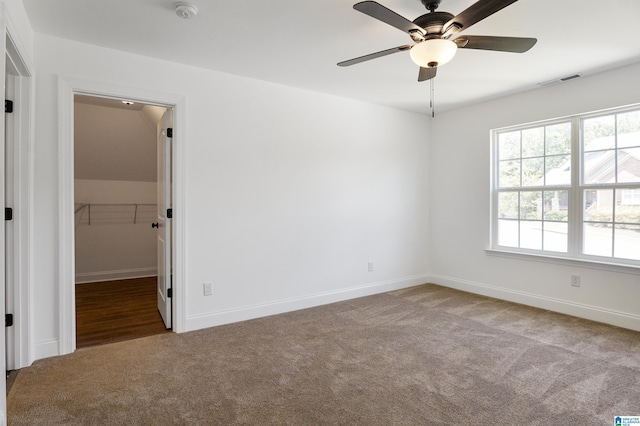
370	266
208	291
575	280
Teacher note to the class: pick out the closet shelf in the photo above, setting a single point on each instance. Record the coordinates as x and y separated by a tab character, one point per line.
114	213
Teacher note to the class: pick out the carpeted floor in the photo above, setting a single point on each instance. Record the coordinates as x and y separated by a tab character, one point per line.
421	356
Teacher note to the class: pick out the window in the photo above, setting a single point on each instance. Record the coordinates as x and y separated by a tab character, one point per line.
569	187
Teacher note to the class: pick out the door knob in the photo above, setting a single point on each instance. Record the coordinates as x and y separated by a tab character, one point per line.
154	225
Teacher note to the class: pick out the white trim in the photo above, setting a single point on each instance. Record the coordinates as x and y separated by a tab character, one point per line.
568	261
122	274
46	349
22	184
66	225
593	313
24	215
18	45
3	343
287	305
67	88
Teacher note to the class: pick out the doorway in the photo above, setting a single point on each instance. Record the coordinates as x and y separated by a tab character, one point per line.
67	89
120	197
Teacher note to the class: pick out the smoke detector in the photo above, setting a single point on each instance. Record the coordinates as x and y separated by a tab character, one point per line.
186	10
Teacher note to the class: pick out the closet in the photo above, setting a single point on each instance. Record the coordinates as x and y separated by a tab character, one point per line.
115	195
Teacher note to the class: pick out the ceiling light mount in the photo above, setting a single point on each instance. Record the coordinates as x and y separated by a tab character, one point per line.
432	5
186	10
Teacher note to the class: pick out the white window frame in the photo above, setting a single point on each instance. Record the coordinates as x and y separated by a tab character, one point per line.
575	197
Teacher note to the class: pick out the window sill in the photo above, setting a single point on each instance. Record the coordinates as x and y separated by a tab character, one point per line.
566	261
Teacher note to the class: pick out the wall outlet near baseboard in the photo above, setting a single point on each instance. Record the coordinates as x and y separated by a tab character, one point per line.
207	288
575	280
370	266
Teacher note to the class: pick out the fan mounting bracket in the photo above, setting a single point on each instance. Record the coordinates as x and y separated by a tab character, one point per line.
433	22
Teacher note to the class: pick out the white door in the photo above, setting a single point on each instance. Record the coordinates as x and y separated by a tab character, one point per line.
163	223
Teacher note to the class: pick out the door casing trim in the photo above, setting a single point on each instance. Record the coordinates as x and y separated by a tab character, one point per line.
67	89
22	183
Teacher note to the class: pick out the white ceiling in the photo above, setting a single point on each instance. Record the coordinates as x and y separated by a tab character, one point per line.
299	42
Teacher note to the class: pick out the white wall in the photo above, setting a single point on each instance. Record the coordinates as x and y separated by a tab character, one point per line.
289	193
113	246
459	200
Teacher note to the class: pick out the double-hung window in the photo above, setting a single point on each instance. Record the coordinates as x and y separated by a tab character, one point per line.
569	188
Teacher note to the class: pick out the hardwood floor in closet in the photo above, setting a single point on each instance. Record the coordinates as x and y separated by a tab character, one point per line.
113	311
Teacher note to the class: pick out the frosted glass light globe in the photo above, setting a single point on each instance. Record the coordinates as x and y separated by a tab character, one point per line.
433	52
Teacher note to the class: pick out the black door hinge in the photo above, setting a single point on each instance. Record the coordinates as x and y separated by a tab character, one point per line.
170	293
8	320
169	132
8	213
8	105
169	213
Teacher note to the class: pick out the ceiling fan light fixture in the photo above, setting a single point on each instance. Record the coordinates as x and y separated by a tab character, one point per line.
433	52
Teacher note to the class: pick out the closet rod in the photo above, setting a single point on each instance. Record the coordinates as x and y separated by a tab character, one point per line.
134	205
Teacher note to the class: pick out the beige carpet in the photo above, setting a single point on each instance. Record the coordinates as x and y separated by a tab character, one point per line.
422	356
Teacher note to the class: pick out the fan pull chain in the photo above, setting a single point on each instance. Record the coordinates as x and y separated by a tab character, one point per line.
432	102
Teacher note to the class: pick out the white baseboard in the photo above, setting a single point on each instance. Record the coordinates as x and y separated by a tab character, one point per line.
123	274
46	349
294	304
579	310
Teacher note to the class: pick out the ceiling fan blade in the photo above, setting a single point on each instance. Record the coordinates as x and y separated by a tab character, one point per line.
388	16
427	73
474	13
373	56
502	44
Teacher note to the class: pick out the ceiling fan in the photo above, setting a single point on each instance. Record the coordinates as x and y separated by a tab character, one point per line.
432	34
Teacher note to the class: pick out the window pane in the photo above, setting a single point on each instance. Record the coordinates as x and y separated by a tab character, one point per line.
626	213
533	171
558	170
558	138
508	205
630	197
598	205
598	239
556	204
629	165
627	242
629	129
509	145
508	233
599	133
599	167
533	142
531	205
590	197
509	174
531	234
556	236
